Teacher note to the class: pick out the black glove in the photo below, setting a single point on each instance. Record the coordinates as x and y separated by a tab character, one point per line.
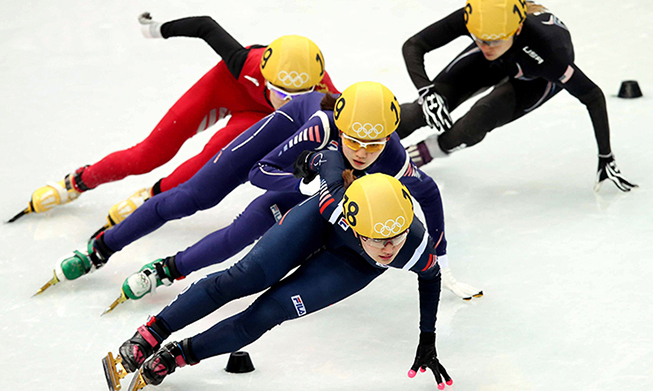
302	166
608	170
427	357
435	109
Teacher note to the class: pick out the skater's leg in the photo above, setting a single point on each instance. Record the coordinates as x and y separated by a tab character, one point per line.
178	125
237	124
506	103
466	75
282	248
321	281
250	225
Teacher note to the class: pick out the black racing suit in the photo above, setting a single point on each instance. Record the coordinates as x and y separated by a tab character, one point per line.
537	66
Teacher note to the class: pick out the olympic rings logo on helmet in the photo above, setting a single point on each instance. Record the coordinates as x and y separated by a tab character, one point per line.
293	78
368	130
390	226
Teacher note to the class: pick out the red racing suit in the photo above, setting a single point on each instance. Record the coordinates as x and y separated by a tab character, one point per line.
235	87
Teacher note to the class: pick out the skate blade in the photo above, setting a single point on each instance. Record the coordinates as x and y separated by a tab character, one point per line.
48	284
114	371
121	299
19	215
137	382
479	294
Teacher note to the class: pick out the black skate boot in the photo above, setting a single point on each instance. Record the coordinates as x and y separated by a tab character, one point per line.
145	341
166	360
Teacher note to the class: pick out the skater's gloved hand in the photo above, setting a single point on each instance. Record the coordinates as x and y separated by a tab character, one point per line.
149	27
435	109
309	188
608	170
466	292
427	357
302	166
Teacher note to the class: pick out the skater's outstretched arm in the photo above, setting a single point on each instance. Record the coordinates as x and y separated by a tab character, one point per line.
232	52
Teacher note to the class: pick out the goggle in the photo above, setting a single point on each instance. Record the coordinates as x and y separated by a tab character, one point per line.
381	243
370	147
286	95
488	43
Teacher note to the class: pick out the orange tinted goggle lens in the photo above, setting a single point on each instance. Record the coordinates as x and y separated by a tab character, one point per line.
355	145
380	243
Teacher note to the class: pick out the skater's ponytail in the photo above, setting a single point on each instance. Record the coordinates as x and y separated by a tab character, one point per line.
328	102
533	8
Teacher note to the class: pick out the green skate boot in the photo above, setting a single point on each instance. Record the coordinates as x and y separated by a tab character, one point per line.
151	276
72	267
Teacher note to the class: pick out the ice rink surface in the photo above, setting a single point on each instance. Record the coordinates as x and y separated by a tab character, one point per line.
566	272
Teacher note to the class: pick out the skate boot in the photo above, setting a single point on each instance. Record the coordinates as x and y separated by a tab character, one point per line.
55	193
462	290
123	209
425	151
166	360
150	277
146	280
145	341
133	353
80	263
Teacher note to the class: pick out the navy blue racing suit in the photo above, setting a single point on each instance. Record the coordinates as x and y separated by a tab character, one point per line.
274	173
224	172
332	267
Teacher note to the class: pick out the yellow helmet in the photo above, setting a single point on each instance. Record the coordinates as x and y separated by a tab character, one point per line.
293	62
378	206
367	111
491	20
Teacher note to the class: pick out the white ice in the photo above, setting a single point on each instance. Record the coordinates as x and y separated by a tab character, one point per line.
566	272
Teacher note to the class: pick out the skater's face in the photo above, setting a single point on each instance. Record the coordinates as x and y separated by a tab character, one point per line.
492	50
383	251
280	96
361	153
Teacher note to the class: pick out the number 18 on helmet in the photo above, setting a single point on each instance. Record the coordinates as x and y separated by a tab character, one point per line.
378	206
